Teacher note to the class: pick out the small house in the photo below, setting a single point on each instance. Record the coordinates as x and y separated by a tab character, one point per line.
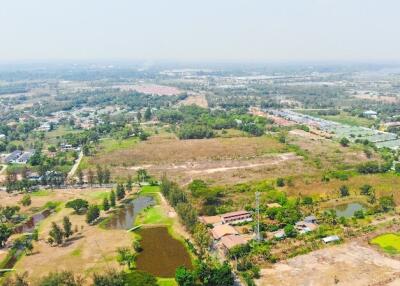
211	220
332	238
236	217
222	230
230	241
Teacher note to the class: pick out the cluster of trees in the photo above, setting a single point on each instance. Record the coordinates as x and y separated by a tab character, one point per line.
205	274
58	234
196	122
102	176
372	167
179	200
110	277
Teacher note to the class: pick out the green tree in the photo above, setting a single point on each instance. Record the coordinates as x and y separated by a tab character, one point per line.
56	233
185	277
386	203
365	189
129	184
280	182
106	176
139	116
141	175
100	175
79	174
106	204
90	177
120	191
126	257
290	231
140	278
67	225
344	142
5	233
147	114
109	278
202	239
92	214
78	205
344	191
64	278
112	199
26	200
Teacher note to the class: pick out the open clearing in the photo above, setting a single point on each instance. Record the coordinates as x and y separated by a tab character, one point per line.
223	160
91	249
197	99
389	242
349	264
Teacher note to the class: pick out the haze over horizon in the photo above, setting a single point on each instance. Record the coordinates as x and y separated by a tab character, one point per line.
257	30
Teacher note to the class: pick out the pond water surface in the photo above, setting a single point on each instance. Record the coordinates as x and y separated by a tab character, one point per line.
126	216
30	224
161	254
348	210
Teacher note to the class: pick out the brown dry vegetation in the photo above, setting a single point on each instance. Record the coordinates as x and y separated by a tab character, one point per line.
348	264
90	250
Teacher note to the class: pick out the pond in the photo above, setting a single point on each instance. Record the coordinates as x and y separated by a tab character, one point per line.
30	224
348	210
126	216
161	253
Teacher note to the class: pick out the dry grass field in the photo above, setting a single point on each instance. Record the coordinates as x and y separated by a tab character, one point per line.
89	250
226	160
223	160
350	264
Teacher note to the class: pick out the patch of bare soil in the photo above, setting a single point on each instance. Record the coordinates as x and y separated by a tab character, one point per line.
225	171
350	264
196	99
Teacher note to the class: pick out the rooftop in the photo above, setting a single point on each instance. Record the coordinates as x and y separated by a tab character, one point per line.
222	230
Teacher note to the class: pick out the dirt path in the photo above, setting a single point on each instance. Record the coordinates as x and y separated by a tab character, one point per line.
75	167
178	227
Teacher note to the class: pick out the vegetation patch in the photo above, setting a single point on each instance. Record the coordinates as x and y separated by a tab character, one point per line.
389	242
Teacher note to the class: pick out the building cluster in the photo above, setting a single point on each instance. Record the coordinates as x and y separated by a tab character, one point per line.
225	235
18	157
379	138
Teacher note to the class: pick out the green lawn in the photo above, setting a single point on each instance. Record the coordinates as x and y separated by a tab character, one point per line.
42	193
108	145
99	195
153	215
149	189
389	242
166	282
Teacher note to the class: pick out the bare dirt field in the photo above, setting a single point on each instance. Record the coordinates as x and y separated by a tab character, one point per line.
347	264
226	171
374	97
197	99
223	160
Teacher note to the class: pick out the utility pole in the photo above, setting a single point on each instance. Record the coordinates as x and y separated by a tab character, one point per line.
258	236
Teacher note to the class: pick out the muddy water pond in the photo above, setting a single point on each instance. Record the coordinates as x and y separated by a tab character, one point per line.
348	210
125	217
161	254
30	224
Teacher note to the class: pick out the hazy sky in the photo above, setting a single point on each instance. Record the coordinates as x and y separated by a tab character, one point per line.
200	30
